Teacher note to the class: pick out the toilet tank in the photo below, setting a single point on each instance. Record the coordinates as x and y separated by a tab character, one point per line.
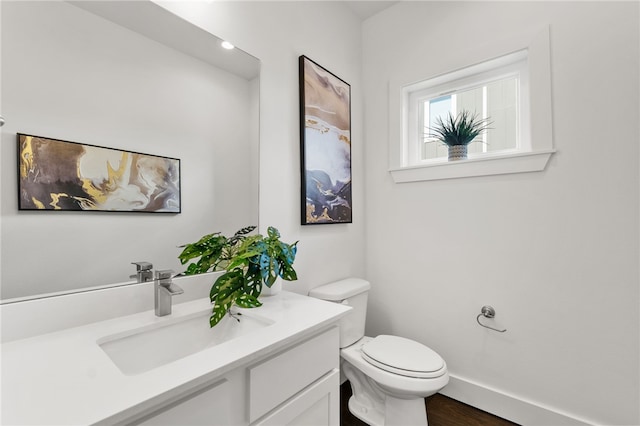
351	292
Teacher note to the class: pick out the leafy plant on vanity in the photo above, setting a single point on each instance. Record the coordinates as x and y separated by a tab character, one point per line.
250	261
458	132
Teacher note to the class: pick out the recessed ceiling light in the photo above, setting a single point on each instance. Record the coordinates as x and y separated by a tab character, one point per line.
227	45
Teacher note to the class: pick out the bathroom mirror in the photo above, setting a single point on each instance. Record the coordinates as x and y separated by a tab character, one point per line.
132	76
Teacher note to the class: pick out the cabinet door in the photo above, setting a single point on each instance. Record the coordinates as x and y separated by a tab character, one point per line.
208	406
282	376
316	405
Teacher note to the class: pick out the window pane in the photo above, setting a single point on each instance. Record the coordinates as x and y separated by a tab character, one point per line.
434	109
502	109
472	100
439	108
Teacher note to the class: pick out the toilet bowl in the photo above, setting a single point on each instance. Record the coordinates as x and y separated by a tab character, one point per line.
389	375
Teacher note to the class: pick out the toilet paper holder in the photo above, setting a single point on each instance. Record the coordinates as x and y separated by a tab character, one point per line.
488	312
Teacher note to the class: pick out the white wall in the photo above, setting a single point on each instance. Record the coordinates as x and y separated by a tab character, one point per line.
71	75
278	33
555	252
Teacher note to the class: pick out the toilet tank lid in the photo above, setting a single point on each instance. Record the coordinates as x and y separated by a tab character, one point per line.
340	290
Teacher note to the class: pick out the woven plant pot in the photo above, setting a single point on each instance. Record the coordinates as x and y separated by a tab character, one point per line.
457	152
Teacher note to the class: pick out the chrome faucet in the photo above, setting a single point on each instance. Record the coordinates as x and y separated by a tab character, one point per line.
144	272
164	289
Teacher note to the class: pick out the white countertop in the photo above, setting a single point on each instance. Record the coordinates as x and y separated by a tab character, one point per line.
65	378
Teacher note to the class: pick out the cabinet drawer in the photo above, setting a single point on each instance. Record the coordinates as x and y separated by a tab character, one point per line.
278	378
209	406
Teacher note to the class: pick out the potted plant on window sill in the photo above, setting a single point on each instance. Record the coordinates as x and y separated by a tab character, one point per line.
458	132
249	262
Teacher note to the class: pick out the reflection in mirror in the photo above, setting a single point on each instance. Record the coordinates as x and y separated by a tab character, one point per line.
132	76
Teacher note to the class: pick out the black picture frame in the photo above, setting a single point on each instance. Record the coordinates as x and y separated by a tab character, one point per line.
325	145
59	175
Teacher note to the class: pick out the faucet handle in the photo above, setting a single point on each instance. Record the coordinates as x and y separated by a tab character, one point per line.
164	280
165	274
143	266
144	271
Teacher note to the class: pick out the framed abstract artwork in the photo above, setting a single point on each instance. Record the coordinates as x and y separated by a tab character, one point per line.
59	175
325	145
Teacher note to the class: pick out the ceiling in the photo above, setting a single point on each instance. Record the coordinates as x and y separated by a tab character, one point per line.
160	24
366	9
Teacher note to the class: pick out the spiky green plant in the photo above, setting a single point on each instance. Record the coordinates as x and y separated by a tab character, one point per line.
459	130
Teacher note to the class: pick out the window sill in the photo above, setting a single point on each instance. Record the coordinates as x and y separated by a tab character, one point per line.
484	166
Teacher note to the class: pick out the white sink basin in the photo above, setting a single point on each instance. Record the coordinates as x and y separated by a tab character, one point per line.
146	348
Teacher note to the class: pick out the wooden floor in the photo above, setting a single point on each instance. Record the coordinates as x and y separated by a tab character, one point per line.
441	411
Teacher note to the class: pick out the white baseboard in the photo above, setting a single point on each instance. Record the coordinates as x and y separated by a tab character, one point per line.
510	407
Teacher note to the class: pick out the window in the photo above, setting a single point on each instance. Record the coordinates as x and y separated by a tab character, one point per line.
495	101
496	91
512	88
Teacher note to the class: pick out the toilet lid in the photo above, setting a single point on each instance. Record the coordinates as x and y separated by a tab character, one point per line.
403	356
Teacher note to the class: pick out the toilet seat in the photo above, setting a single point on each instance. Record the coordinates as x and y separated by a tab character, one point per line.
403	356
397	384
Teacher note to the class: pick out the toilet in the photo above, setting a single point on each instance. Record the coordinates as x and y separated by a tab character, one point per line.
390	375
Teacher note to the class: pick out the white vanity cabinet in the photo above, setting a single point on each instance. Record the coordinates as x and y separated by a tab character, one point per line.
283	372
298	385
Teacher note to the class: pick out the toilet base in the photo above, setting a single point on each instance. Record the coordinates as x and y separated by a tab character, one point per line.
369	415
375	407
400	412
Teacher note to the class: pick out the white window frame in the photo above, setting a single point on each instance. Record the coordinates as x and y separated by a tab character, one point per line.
531	61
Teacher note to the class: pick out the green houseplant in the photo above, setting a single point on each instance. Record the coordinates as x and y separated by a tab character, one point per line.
249	262
458	132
